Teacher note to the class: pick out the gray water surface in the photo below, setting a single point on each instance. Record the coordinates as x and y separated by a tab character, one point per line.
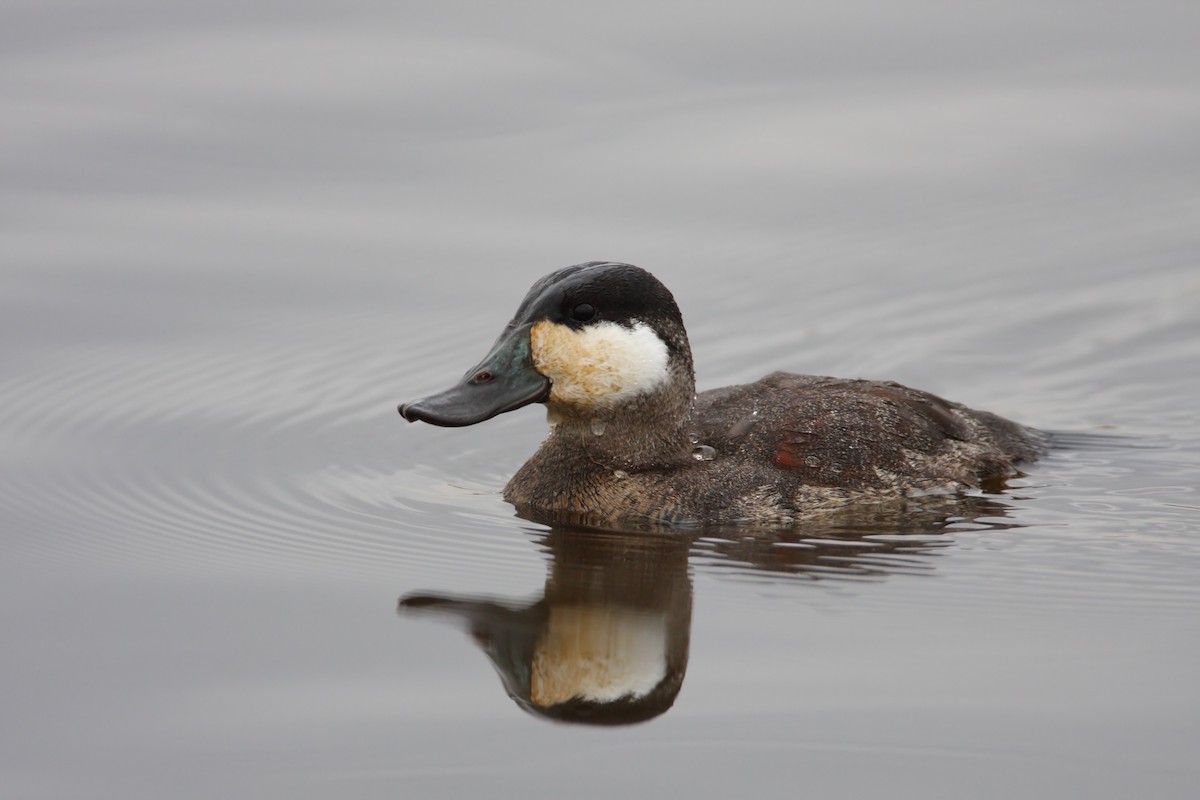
233	236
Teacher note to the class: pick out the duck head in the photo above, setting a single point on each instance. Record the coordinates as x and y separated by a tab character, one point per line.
587	340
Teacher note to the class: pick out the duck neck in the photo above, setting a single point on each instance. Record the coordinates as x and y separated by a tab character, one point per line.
647	432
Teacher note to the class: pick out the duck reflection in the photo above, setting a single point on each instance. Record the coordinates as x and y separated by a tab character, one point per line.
607	643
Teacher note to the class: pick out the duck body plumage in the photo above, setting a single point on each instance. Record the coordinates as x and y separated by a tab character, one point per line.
636	446
777	451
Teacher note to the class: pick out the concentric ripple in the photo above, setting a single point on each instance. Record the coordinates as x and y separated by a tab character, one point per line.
287	456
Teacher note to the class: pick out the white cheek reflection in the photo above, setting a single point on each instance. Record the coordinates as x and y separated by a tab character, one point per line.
599	654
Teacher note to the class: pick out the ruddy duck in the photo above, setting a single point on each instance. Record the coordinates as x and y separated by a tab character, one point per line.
603	346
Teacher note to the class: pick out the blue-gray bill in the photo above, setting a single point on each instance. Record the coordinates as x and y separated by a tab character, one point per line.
505	380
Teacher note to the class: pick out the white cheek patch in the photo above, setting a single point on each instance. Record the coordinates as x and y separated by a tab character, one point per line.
599	365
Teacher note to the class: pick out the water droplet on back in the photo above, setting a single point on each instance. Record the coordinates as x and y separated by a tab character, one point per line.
597	426
704	453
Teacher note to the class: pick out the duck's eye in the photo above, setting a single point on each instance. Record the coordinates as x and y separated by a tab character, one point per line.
583	312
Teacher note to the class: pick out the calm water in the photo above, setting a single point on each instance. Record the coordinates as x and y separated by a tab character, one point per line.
234	235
